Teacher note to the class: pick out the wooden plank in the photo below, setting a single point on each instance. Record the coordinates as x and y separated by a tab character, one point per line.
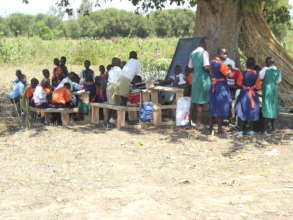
146	95
95	115
65	118
54	110
167	89
157	117
155	96
120	119
115	107
179	94
164	107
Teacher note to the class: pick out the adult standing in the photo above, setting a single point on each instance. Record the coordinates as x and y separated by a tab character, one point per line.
130	70
270	76
199	61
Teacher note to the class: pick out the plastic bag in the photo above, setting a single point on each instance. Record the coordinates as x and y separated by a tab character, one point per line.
146	111
183	111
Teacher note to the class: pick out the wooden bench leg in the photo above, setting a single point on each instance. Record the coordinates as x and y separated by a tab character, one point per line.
106	114
47	116
157	117
95	115
65	118
120	119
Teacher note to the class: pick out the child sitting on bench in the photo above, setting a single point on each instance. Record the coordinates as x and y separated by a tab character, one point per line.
62	97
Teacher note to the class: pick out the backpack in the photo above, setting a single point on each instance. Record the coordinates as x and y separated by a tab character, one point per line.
146	111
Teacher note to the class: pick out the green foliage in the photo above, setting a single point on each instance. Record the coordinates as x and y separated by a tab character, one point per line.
177	22
278	17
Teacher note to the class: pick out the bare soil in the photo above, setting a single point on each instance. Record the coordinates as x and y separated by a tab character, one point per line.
84	172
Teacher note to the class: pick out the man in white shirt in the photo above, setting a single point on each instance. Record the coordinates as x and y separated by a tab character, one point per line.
130	70
114	74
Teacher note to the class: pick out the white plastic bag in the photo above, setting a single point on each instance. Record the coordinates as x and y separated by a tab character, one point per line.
183	111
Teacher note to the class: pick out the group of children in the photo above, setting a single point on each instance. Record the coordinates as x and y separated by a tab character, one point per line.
254	91
57	90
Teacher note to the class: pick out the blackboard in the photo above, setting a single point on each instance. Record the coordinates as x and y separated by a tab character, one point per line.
181	57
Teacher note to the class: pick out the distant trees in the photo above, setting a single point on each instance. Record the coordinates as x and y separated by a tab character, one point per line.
105	23
109	23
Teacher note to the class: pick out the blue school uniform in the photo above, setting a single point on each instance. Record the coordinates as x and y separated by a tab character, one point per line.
219	93
247	104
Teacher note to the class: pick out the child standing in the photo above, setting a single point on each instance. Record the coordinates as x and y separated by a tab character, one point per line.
219	95
56	71
83	74
270	76
247	104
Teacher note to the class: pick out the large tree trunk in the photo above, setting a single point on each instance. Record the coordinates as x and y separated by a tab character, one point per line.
224	25
220	22
257	40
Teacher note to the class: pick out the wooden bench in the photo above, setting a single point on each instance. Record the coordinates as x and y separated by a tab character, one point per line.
48	111
121	110
152	94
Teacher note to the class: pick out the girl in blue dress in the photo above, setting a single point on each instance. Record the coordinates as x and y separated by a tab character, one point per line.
247	104
219	94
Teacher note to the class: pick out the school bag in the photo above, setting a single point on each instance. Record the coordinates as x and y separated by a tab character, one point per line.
146	111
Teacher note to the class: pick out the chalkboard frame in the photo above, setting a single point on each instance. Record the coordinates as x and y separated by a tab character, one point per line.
194	44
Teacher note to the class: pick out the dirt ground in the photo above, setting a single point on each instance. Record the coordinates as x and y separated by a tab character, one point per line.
84	172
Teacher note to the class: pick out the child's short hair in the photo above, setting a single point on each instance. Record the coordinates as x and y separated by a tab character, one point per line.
46	73
67	85
34	82
109	67
102	68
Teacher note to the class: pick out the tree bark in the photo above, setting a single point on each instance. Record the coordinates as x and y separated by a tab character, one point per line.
220	23
225	25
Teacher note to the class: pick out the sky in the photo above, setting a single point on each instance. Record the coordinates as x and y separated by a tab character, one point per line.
35	7
42	6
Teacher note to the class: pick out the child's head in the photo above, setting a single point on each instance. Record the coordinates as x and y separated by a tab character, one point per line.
98	81
45	83
178	69
63	60
250	63
116	61
133	55
67	85
270	61
56	62
102	68
87	64
137	79
222	53
18	74
34	82
109	67
46	73
257	68
23	78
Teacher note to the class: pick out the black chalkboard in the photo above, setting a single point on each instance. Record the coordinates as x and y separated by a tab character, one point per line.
181	57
